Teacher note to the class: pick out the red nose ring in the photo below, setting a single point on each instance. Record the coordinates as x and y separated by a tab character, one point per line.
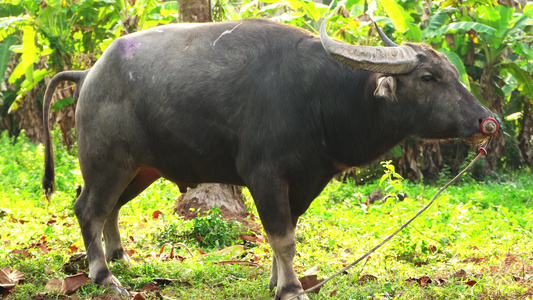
490	127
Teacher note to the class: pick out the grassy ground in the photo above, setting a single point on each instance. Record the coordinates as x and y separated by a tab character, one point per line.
475	242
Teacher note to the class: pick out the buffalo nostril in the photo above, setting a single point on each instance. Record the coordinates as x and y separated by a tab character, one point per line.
489	126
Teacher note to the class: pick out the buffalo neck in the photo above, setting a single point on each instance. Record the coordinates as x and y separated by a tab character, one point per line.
358	127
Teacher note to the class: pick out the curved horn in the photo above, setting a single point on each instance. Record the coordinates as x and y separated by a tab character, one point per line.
390	60
385	39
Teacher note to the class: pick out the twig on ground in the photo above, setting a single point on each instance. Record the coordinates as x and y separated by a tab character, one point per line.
184	246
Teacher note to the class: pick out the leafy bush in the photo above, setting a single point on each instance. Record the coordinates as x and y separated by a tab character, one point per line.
212	231
209	230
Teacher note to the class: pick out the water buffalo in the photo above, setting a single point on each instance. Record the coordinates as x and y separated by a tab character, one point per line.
252	103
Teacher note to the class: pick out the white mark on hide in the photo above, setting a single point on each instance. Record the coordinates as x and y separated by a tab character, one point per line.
226	32
153	78
186	48
131	76
159	30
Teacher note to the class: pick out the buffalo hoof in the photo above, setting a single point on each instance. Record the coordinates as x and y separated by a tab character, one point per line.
114	285
119	290
284	297
289	292
272	284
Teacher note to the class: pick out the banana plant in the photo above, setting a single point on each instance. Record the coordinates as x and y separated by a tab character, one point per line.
494	41
58	29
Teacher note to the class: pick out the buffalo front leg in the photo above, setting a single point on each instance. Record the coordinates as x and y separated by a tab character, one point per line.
272	203
274	270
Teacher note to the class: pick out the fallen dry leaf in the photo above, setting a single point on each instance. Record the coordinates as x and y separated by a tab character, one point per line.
471	282
23	252
72	283
72	248
474	260
54	285
425	280
13	220
460	275
346	251
50	222
42	247
248	238
365	278
5	289
309	282
237	262
10	276
149	287
311	271
156	214
138	296
522	279
69	285
232	250
130	252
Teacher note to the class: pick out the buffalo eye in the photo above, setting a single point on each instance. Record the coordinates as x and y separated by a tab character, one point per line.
428	78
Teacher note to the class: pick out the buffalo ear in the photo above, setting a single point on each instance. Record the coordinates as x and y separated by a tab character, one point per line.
386	88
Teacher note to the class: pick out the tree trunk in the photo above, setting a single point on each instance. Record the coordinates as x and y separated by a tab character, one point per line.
227	198
191	11
526	132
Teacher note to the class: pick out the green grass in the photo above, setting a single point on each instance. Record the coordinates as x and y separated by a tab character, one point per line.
483	228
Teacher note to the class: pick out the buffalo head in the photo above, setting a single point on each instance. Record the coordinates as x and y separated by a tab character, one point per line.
421	79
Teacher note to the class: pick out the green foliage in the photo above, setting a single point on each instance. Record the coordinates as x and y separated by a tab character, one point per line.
391	182
212	231
66	32
209	231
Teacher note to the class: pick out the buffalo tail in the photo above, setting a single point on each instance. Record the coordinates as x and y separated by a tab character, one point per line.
49	173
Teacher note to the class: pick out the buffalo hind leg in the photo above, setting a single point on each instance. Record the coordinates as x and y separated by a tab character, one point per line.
272	200
114	249
273	282
101	191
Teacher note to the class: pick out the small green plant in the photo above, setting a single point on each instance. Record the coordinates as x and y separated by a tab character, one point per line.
445	175
391	182
212	231
173	231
